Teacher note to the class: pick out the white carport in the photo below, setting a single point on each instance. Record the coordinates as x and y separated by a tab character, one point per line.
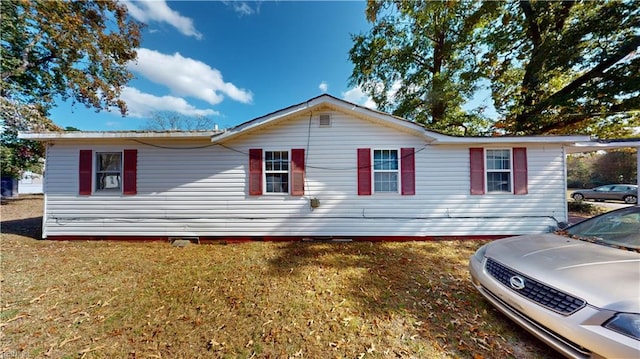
603	145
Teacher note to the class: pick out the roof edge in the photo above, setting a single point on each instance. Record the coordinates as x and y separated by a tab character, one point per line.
89	135
445	139
314	102
603	145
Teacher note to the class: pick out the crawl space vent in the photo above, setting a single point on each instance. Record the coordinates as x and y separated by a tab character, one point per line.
325	120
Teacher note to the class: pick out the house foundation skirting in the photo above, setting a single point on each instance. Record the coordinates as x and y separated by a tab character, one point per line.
226	239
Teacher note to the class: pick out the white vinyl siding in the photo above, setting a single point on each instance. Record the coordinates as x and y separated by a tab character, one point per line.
188	191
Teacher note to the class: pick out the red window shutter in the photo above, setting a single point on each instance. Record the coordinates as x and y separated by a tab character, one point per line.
408	175
85	169
364	171
297	172
255	171
476	156
520	181
130	176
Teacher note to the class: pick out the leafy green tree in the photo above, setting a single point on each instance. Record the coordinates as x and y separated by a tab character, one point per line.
20	155
418	61
565	67
554	67
73	50
616	167
579	169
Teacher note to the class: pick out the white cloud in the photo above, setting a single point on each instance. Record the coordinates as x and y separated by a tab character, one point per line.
187	77
158	11
140	104
324	86
357	96
243	7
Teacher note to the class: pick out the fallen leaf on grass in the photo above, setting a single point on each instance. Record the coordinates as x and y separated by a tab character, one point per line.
36	299
48	353
84	352
108	301
14	319
371	349
68	341
214	345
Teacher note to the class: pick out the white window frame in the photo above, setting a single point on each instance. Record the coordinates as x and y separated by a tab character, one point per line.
396	171
487	170
267	172
97	172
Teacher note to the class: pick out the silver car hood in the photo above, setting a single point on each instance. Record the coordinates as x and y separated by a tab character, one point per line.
605	277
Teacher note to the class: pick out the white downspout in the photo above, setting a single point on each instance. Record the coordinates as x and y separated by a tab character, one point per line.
44	192
638	172
564	185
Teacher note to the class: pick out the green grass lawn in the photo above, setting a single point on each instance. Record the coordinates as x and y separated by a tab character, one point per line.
252	300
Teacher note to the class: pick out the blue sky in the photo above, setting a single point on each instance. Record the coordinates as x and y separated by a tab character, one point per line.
232	60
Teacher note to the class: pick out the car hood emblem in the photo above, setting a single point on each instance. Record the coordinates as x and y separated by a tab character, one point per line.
516	282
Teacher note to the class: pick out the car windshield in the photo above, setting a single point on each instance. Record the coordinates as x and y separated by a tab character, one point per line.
619	228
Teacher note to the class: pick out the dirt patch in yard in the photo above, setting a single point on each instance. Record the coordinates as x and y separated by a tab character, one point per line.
22	216
102	299
21	207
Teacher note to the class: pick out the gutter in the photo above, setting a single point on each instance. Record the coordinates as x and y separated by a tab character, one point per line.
94	135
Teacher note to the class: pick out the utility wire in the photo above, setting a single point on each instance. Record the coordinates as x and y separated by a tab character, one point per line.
173	148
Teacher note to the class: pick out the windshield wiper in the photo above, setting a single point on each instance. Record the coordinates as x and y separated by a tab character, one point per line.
597	240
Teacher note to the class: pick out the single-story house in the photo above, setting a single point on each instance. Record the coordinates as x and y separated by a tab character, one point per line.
324	168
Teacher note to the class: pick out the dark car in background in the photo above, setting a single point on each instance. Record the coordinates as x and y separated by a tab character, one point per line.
611	192
577	289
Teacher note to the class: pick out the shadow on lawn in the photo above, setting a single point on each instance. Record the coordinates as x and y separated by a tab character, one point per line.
396	278
421	283
27	227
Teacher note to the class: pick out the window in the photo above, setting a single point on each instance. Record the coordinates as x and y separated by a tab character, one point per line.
385	171
108	171
498	170
276	166
112	172
276	172
621	189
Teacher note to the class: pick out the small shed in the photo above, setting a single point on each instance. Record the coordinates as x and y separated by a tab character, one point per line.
9	187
